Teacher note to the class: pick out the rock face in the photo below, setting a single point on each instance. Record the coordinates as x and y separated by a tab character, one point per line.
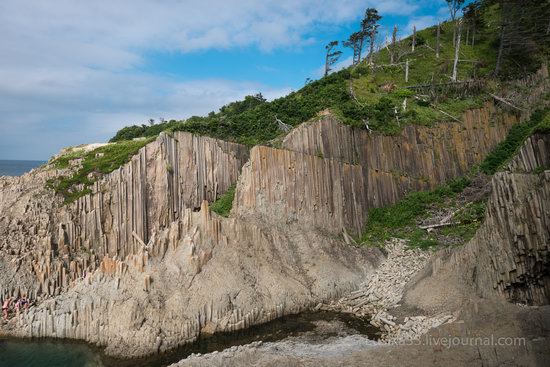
202	274
512	247
322	193
140	265
418	159
137	271
476	285
61	244
147	194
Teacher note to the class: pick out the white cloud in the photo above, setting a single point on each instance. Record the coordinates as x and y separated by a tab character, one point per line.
420	22
70	69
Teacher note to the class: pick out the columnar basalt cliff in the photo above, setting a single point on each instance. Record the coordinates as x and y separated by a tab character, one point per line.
140	265
323	193
125	209
173	173
202	274
418	159
509	255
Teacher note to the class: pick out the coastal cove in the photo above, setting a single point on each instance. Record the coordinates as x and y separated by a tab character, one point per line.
318	326
391	210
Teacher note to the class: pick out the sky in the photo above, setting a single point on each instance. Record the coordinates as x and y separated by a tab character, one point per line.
75	71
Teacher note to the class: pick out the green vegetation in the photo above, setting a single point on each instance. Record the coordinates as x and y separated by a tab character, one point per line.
401	219
139	131
223	205
540	121
379	91
94	163
544	126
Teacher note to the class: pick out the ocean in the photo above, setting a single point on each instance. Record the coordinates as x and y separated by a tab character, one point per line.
17	168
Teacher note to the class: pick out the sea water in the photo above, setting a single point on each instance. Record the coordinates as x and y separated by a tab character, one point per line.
18	353
17	168
63	353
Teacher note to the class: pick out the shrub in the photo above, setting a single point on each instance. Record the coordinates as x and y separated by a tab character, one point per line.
224	204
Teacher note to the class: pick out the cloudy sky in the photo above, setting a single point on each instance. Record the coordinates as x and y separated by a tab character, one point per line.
75	71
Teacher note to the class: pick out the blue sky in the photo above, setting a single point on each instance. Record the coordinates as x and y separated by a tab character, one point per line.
75	71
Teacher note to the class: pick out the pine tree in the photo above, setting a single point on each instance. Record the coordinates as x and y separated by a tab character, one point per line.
332	56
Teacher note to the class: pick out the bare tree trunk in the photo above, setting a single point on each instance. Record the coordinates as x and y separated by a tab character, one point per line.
326	64
457	51
414	38
407	71
371	51
360	49
467	35
393	44
454	33
437	40
474	33
500	49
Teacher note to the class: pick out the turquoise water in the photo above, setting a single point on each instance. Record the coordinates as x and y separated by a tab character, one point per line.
17	168
47	354
51	353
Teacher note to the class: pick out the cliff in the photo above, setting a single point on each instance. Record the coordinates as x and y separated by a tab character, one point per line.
140	265
59	244
508	257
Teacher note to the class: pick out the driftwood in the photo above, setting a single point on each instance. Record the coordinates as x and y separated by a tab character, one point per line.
366	122
445	113
352	93
348	239
457	89
137	238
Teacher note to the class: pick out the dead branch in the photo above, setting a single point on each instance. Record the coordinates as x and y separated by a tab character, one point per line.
500	99
282	126
437	225
437	109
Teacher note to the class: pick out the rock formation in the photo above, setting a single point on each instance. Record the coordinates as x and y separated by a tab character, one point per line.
462	308
512	246
140	265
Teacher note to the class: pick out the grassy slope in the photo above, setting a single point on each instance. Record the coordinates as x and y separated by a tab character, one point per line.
401	219
95	163
253	122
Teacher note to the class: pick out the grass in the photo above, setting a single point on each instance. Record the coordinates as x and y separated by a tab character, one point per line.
400	220
95	163
504	151
223	205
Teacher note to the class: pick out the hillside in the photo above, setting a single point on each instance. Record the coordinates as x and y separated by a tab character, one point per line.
377	90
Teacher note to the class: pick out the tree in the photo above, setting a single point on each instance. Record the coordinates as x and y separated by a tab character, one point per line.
522	36
355	43
454	7
471	18
331	56
413	43
457	52
369	27
393	51
151	122
438	40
